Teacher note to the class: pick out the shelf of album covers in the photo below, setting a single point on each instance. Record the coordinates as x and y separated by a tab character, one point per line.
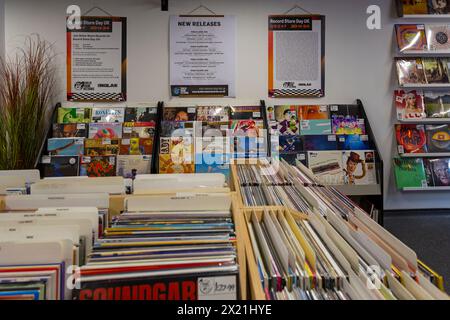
425	155
422	9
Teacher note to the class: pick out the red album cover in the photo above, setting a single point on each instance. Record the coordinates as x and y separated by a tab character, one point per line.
411	138
409	105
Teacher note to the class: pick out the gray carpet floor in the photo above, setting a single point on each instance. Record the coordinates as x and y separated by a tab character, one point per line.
428	233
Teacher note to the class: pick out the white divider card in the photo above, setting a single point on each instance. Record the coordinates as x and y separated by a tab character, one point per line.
31	176
202	56
178	181
11	182
110	185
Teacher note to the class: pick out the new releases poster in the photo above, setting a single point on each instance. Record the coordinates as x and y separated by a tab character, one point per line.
202	56
97	60
296	56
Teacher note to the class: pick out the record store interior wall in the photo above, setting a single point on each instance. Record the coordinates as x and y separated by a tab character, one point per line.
2	28
358	60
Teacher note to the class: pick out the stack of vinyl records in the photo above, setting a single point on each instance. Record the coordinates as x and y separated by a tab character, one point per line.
163	252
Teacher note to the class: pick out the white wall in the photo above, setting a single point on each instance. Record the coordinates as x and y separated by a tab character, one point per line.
358	61
2	28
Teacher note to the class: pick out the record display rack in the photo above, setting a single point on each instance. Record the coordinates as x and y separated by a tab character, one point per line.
38	165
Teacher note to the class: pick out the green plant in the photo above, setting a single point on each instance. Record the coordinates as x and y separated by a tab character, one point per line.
26	92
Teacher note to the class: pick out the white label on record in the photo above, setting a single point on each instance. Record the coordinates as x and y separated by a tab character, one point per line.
126	142
146	158
217	288
256	114
334	108
400	116
420	27
191	110
301	156
127	129
304	124
46	159
81	126
153	110
401	149
364	137
79	141
341	139
86	159
399	99
332	138
106	141
360	120
424	184
323	108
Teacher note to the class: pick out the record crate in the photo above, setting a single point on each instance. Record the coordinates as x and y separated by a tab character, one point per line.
117	206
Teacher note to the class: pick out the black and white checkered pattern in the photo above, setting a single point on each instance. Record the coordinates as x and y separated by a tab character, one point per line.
297	92
96	96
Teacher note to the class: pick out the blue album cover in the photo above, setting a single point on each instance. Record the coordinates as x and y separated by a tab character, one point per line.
354	142
290	144
250	147
320	143
65	146
291	158
315	127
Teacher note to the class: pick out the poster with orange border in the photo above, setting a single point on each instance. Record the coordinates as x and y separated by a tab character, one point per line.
296	56
97	59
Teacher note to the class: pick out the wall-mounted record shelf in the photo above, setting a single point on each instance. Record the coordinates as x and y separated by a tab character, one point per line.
425	85
426	16
423	53
425	155
426	121
426	189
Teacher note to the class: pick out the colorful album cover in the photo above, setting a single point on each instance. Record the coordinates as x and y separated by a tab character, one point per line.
359	167
292	159
136	146
173	128
290	144
212	129
409	173
347	125
101	147
438	37
286	118
141	114
354	142
411	37
60	166
70	130
438	138
246	113
315	127
213	113
313	113
247	128
438	6
437	172
409	105
437	104
105	130
410	71
106	114
435	70
249	147
213	163
327	166
415	7
346	110
128	166
65	146
137	130
176	155
100	166
179	114
320	142
74	115
411	138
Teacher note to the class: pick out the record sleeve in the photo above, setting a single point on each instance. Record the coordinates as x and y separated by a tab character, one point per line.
179	114
212	129
138	130
105	114
176	155
65	146
173	128
438	138
136	146
359	167
438	7
72	130
249	147
213	113
354	142
346	110
74	115
411	37
438	37
141	114
301	156
445	111
327	166
409	172
247	128
101	147
60	166
313	112
409	105
286	118
105	130
320	142
100	166
411	138
435	70
434	104
415	7
213	163
410	71
349	124
246	113
290	144
437	172
128	166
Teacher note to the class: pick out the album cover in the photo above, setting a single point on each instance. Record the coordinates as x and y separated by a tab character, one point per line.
173	128
137	130
437	104
301	156
354	142
359	167
60	166
415	7
136	146
179	114
409	104
438	7
70	130
213	145
176	155
249	147
438	37
410	71
320	142
100	166
141	114
213	113
346	110
74	115
315	127
247	128
286	118
246	113
105	114
65	146
212	129
101	147
213	163
290	144
411	37
128	166
435	70
409	172
105	130
327	166
313	112
437	172
411	138
438	138
347	125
